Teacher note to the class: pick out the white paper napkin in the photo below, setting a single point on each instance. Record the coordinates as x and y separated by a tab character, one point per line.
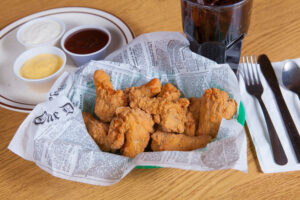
257	126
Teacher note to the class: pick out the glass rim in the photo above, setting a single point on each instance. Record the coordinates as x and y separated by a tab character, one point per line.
217	7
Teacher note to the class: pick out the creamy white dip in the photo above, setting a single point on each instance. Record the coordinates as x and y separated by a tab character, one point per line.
40	32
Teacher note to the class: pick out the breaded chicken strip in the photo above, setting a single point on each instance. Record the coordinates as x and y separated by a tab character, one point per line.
131	127
170	115
102	79
98	131
149	89
194	107
215	105
173	115
162	141
169	92
191	124
107	99
167	109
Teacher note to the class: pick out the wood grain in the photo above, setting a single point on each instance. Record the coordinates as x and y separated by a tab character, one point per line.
274	30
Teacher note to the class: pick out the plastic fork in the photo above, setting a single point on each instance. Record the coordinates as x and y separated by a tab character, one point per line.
255	88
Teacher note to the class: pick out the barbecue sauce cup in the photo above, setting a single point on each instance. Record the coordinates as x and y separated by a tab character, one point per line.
86	43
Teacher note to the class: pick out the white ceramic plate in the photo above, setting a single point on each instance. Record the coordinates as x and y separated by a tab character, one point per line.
17	96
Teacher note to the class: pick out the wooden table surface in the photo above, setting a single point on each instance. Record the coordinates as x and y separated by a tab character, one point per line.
274	30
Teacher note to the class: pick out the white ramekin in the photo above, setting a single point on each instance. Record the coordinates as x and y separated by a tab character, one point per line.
43	83
53	42
81	59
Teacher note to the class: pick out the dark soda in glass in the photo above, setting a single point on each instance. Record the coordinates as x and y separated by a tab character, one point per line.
216	28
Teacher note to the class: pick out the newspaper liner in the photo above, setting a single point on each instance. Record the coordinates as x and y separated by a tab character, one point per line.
55	138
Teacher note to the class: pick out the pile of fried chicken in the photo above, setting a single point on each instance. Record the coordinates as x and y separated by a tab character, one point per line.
154	115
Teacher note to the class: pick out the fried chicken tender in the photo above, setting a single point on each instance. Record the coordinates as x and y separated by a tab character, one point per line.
167	109
191	124
131	127
162	141
173	115
194	107
98	131
169	92
102	79
170	115
215	105
107	99
149	89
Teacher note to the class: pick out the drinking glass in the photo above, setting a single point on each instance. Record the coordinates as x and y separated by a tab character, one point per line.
216	28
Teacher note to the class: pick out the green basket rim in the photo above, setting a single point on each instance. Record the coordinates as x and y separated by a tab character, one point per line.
242	114
241	119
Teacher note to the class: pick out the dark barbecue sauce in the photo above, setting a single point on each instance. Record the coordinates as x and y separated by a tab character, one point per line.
86	41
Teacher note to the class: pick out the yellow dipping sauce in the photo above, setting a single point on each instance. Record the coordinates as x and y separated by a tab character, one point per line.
41	66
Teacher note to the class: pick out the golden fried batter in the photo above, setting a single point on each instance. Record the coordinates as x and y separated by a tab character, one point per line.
149	89
107	99
98	131
191	124
102	79
169	92
194	107
215	105
173	115
162	141
170	115
131	127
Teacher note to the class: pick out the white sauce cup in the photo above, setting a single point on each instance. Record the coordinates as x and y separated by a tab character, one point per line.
53	42
81	59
